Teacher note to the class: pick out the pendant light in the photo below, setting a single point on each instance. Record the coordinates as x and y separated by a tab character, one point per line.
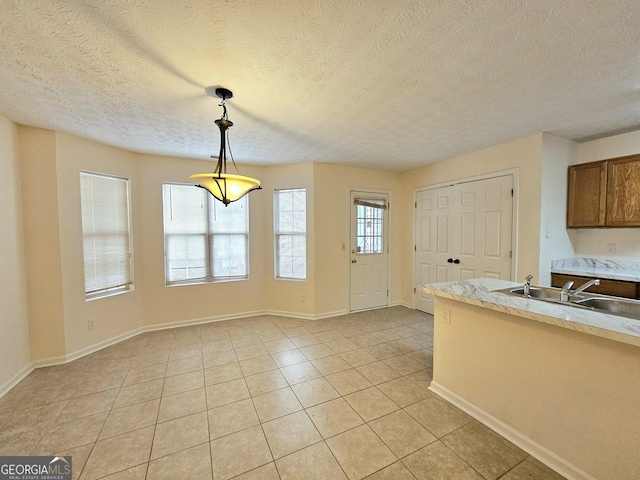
226	187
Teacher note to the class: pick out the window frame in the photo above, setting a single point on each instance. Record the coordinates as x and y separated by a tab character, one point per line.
209	239
278	234
129	286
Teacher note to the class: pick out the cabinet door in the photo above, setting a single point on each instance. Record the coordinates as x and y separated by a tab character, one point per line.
587	195
616	288
623	192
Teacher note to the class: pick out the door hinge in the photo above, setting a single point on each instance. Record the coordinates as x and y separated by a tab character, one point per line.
414	289
512	192
510	253
415	205
415	248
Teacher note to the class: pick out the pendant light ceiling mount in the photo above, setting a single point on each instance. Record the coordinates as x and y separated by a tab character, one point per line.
220	92
224	186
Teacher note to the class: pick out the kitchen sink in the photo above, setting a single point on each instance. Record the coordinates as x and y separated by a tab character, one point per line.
613	305
548	294
622	307
542	293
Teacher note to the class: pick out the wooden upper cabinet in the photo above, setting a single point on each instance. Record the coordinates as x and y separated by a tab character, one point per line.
623	192
605	193
587	200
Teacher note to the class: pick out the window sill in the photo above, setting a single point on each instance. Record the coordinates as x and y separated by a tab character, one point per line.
107	294
187	283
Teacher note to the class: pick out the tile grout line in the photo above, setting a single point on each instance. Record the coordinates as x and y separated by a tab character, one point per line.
279	369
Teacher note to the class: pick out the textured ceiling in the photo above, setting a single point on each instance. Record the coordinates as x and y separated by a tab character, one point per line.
390	84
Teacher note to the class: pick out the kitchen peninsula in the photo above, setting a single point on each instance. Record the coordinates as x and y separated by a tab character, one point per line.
562	383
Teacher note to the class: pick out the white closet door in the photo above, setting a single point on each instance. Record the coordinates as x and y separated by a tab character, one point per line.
463	231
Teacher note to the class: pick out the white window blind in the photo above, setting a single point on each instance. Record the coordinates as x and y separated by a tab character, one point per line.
371	202
204	240
106	234
291	233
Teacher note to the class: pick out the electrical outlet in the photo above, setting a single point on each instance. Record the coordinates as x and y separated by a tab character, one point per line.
446	316
303	299
91	324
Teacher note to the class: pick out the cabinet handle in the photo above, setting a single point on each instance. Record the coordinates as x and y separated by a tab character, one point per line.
456	261
353	261
450	260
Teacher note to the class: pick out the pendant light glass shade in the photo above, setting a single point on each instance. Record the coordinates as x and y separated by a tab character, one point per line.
224	186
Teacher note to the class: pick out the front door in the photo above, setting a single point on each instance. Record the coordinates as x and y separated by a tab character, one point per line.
369	250
463	231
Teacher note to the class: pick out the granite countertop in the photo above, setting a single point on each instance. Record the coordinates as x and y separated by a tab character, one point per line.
625	270
481	292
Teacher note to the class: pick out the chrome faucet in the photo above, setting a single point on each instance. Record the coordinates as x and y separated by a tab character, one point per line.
527	285
566	293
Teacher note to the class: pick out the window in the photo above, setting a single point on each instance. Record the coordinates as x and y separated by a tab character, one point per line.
369	234
291	233
106	235
204	241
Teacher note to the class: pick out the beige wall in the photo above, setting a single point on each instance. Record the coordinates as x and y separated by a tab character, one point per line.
333	185
295	297
60	317
15	357
166	305
524	156
564	395
50	163
41	228
113	316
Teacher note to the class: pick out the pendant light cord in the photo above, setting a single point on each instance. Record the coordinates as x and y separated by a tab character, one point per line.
225	116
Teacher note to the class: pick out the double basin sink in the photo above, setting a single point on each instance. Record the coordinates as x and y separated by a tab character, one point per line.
622	307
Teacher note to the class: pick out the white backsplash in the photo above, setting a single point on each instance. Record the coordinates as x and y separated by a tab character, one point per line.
621	243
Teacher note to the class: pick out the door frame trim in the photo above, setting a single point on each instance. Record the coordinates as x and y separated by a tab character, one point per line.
373	191
514	172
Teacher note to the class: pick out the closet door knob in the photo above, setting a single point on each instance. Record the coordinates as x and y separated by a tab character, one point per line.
456	261
450	260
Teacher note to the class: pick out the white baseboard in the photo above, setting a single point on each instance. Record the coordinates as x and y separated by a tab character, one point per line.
49	362
337	313
283	313
546	456
99	346
16	379
200	321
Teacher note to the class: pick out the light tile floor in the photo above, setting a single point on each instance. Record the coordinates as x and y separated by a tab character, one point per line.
260	398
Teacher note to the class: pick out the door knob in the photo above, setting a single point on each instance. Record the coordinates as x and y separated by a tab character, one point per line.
353	261
456	261
450	260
